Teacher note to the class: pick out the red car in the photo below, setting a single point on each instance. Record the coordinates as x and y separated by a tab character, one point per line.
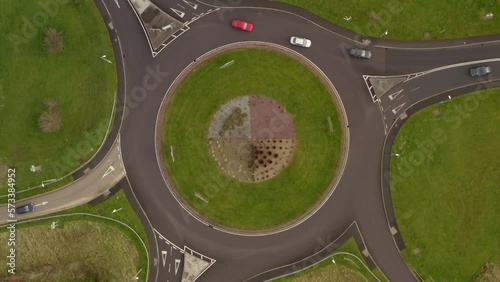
242	25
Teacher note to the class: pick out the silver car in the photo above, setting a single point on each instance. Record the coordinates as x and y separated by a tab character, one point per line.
299	41
479	71
360	53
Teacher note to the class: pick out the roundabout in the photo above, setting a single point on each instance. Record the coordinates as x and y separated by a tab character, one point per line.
430	72
256	149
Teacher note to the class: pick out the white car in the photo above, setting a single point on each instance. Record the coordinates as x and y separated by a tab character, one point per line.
299	41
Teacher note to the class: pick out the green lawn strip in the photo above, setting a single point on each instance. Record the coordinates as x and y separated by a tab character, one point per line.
126	215
81	82
297	187
408	20
346	268
445	187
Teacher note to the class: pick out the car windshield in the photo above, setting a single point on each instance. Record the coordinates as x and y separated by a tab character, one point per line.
244	25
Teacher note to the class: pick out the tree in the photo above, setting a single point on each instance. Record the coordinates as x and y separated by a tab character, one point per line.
54	42
50	121
51	104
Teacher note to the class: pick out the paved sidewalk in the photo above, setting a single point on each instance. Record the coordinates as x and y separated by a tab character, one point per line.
95	182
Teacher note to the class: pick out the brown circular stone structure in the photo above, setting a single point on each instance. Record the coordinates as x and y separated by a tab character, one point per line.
252	138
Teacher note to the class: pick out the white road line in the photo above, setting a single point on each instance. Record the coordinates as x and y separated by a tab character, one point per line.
180	6
415	89
117	4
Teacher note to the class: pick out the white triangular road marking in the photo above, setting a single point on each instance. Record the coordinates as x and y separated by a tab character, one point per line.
193	5
394	95
108	171
395	110
179	13
164	257
177	263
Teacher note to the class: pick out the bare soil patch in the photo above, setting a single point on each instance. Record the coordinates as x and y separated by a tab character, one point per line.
269	119
252	138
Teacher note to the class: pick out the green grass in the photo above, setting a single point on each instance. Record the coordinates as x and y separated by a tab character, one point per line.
346	268
297	187
77	78
83	244
409	19
445	187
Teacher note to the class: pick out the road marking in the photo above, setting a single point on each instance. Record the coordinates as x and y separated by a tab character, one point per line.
180	6
177	264
168	242
193	5
396	109
394	95
179	13
108	171
117	4
164	257
41	204
415	89
169	265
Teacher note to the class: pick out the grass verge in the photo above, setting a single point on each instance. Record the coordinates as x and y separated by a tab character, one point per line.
346	268
409	20
82	84
444	187
82	244
297	187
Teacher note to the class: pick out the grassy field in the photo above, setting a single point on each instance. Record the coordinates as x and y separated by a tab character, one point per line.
297	187
408	19
346	268
81	247
81	82
77	251
445	187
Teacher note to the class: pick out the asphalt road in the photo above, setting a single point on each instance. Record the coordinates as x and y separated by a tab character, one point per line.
359	195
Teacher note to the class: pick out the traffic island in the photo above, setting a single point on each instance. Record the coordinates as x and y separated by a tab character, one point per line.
157	24
256	105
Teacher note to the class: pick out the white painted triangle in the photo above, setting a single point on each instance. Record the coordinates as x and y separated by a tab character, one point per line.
177	263
179	13
394	95
193	5
108	171
164	257
396	109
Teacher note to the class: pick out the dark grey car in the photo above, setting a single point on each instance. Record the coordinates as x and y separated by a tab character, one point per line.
479	71
360	53
25	209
